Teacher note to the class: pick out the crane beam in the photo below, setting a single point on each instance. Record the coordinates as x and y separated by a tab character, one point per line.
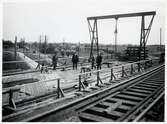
122	15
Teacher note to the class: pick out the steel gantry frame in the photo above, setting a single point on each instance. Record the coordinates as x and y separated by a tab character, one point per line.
93	29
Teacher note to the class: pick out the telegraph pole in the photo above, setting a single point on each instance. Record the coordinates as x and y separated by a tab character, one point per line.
160	38
116	31
78	48
39	45
23	40
15	49
38	66
45	45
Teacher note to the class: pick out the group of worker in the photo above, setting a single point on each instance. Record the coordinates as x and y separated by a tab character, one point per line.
75	60
98	61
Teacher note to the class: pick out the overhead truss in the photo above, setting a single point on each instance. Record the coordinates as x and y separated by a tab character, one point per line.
145	31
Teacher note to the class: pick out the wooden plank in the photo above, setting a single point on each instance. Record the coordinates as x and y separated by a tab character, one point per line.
87	90
110	101
147	85
101	85
95	118
115	113
124	101
135	94
106	104
101	110
124	107
115	105
94	88
112	107
151	83
79	93
143	88
139	90
107	83
129	97
154	80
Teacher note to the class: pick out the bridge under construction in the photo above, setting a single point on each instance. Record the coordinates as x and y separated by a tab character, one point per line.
129	88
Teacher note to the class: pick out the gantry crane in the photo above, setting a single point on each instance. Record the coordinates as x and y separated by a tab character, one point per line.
93	29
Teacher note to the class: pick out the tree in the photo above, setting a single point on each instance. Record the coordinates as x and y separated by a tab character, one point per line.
7	44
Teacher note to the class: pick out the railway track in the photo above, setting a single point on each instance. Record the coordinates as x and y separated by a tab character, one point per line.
120	102
127	104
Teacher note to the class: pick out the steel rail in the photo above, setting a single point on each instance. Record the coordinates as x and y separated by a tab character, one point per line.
149	107
131	112
128	116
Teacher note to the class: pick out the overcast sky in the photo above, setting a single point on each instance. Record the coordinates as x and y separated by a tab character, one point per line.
66	20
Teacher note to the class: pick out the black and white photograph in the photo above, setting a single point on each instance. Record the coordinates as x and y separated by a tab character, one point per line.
83	61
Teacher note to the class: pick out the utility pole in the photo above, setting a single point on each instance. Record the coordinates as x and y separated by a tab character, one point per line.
160	38
15	50
45	45
39	46
23	40
38	66
78	48
116	32
107	52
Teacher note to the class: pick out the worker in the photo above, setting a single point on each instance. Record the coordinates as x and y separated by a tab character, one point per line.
99	61
62	53
75	60
54	61
44	68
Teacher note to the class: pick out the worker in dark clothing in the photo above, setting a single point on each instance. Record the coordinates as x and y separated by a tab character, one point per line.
75	61
73	56
42	68
93	61
99	61
54	61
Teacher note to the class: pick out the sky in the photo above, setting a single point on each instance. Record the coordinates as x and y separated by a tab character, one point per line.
66	20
